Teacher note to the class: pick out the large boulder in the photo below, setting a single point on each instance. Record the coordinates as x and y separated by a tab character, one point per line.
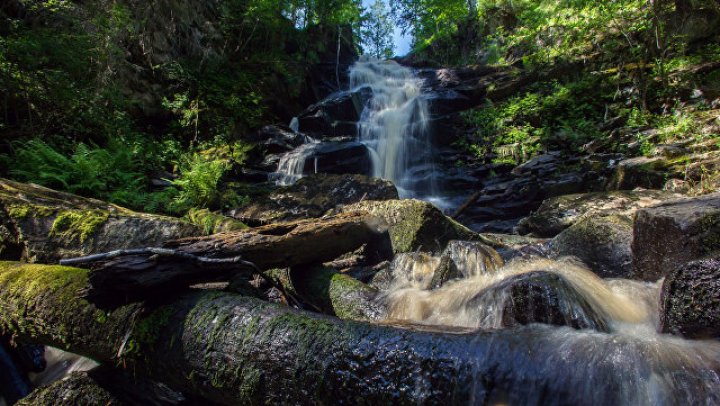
540	297
38	224
312	196
325	157
673	233
558	213
690	300
415	225
603	242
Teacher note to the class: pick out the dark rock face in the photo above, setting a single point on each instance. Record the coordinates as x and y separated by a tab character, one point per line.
339	158
673	233
558	213
505	197
541	297
690	300
275	139
335	116
314	195
603	242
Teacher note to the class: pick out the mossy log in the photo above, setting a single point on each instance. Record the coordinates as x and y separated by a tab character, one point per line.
104	386
237	350
124	276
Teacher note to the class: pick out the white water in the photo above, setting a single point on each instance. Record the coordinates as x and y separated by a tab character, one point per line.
651	368
394	126
291	166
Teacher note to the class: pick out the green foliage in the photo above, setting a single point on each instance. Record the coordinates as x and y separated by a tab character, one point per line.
112	173
550	114
377	31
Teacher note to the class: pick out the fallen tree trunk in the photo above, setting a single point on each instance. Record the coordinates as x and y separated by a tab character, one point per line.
124	276
104	386
236	350
290	244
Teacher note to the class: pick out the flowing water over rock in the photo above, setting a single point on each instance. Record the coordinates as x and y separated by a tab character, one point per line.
614	327
394	125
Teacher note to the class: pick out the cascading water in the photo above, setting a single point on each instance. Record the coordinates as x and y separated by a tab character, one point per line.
629	363
394	126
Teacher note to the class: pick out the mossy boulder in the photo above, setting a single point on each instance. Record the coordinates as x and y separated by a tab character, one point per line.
650	173
690	300
77	388
602	242
558	213
312	196
540	297
336	293
673	233
43	225
415	225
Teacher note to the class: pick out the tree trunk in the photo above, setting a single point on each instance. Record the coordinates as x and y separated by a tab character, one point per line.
237	350
125	276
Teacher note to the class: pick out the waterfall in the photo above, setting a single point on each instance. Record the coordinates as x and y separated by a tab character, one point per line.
394	126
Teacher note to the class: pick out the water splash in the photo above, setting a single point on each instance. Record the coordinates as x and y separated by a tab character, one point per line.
455	303
395	126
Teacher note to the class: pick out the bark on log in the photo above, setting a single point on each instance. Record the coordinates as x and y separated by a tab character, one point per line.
291	244
104	386
236	350
124	276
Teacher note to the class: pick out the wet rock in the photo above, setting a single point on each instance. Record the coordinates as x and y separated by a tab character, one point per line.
275	139
558	213
44	225
603	242
690	300
339	158
541	297
472	258
336	115
336	294
415	225
314	195
673	233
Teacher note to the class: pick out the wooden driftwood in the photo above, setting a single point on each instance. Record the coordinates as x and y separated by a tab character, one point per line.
125	276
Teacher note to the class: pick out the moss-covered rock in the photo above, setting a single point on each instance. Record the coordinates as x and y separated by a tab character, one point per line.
558	213
673	233
336	293
602	242
415	225
42	225
690	300
651	173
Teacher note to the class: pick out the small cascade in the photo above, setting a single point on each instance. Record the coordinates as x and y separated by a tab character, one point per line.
394	126
292	165
614	325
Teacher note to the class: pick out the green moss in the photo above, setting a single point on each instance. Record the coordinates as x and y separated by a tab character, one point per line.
147	331
212	223
23	286
78	224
